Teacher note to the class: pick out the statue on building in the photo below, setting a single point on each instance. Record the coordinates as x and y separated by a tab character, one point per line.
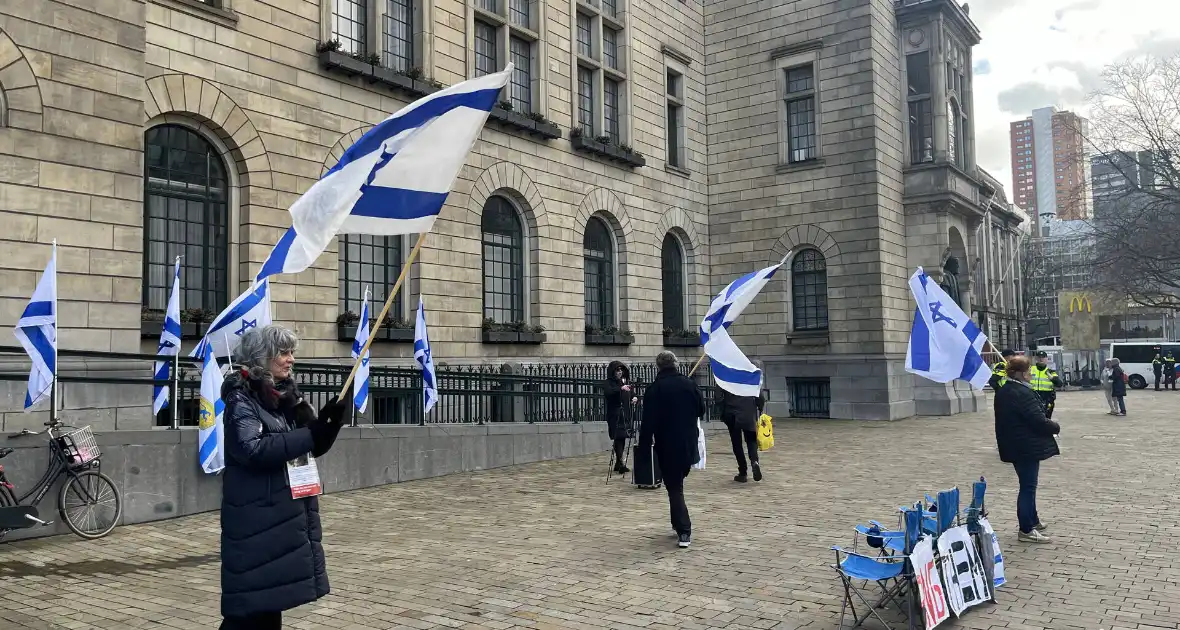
950	279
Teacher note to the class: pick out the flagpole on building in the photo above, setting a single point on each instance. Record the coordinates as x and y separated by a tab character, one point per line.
384	311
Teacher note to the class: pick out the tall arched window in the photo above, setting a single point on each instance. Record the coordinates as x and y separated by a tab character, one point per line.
373	263
598	258
672	277
186	213
503	262
809	291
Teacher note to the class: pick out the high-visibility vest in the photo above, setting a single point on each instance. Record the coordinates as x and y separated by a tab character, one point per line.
1000	369
1042	379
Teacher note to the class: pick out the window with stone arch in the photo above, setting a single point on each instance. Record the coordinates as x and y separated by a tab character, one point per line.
503	262
672	282
186	213
598	257
809	291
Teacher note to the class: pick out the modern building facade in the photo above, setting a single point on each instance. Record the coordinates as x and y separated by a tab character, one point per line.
1050	172
1114	176
646	154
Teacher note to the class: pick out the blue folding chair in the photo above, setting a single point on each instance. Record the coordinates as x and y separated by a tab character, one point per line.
891	573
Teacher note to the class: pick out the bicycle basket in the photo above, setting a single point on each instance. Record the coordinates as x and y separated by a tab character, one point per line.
79	447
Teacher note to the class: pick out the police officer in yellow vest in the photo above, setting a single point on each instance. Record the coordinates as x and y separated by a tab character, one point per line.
1044	381
1169	371
1000	370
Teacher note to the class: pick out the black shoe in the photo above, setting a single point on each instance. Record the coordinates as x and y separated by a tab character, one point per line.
740	478
757	472
684	540
621	469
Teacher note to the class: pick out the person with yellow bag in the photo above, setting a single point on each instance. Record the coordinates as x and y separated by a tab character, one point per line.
740	415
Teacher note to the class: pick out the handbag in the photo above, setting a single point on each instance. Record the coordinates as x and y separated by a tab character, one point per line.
765	433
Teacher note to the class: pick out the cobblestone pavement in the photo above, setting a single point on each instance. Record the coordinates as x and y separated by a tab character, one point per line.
553	546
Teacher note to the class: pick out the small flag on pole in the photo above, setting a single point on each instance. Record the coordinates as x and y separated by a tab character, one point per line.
731	369
169	343
250	310
360	386
211	437
945	344
395	178
37	333
422	355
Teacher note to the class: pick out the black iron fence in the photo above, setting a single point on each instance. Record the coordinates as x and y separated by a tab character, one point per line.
471	394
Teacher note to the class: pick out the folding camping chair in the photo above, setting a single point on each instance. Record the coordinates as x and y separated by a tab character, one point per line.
891	573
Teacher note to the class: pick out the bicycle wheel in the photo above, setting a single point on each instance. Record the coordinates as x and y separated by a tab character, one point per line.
90	504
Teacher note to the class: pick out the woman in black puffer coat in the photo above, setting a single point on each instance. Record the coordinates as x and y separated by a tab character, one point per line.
271	556
1025	439
620	395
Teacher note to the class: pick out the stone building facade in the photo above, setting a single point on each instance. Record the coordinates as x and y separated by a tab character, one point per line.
652	152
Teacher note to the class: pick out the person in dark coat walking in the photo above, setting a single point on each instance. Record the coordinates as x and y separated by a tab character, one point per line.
271	554
620	395
1025	438
740	415
671	406
1118	385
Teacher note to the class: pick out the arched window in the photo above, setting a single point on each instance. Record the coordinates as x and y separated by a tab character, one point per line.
503	262
809	291
186	213
598	257
373	263
672	277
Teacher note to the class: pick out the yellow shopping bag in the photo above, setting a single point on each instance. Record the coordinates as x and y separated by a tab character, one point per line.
765	433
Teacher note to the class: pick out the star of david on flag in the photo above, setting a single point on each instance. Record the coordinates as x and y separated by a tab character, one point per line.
731	369
360	385
250	310
424	358
169	343
945	345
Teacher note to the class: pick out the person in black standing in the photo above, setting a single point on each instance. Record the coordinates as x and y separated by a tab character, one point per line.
1157	366
1025	438
671	406
619	398
1169	371
740	415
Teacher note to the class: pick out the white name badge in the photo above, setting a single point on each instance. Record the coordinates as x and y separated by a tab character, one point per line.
304	477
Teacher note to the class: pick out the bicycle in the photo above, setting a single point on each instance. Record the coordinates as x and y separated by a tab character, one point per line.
86	494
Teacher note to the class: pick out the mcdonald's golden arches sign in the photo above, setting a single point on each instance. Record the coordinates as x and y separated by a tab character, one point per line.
1080	303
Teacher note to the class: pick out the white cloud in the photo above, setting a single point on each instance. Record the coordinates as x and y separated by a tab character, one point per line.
1049	52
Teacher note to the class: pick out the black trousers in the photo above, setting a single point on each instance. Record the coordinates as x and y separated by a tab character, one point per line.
620	445
674	484
261	621
736	436
1157	380
1170	378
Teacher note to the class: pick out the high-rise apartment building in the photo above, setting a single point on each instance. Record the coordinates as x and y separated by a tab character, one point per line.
1050	173
1114	176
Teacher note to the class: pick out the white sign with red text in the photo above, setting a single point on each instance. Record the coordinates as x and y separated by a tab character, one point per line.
934	607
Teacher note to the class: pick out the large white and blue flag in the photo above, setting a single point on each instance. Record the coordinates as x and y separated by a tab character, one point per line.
211	437
360	385
395	178
424	358
37	333
945	344
169	343
731	369
250	310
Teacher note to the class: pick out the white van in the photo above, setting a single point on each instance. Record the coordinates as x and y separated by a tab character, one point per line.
1135	359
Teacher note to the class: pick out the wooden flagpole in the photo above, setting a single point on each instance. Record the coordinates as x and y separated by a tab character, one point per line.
384	311
698	363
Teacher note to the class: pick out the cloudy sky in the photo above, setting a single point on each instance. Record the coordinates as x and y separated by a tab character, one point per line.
1051	52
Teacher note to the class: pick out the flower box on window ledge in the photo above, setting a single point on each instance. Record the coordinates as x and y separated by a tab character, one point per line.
609	336
411	83
193	323
516	332
682	338
530	123
604	147
394	330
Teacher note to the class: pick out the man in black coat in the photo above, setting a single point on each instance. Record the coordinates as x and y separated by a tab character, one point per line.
1025	438
740	415
671	406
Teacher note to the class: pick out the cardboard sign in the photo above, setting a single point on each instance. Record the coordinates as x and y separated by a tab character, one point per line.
963	571
304	477
929	583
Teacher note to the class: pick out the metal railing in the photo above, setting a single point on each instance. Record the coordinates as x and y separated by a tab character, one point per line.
469	394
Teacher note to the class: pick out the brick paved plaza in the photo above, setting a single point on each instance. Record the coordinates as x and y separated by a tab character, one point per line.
553	546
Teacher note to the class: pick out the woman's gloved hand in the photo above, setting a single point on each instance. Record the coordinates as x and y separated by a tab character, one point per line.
327	425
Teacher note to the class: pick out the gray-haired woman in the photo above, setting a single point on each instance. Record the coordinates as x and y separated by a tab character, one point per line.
271	556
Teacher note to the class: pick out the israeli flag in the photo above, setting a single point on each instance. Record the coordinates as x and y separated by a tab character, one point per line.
944	343
211	438
37	333
395	179
731	369
422	355
169	343
250	310
360	385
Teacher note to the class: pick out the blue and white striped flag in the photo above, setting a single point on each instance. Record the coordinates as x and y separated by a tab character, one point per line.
944	343
250	310
424	358
211	437
731	369
169	343
395	179
360	385
37	333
